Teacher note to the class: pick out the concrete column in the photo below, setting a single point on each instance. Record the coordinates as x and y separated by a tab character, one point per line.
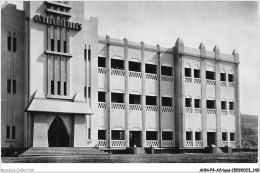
159	94
108	65
203	95
218	105
193	138
143	95
126	93
237	98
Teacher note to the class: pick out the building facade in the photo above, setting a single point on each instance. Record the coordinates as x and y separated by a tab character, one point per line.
64	86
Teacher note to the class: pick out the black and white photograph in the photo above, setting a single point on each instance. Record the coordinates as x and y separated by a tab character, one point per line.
139	86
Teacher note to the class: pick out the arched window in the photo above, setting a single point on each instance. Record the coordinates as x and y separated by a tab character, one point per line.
187	70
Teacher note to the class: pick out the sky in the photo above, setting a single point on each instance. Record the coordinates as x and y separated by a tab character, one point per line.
230	25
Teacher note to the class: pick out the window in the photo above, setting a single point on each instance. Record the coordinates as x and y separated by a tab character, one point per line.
150	68
14	44
188	102
134	99
89	53
151	100
52	44
210	75
65	88
13	132
14	86
65	46
151	135
102	134
196	73
117	64
89	92
210	104
59	87
223	105
52	87
8	132
8	85
85	53
197	103
167	71
187	72
118	135
224	136
231	105
117	97
166	101
167	135
197	136
89	133
101	62
9	42
58	46
134	66
85	92
223	77
101	96
230	78
232	136
188	136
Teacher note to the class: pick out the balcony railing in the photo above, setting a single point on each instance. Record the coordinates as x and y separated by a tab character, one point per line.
102	143
231	84
135	107
233	144
231	112
153	143
211	111
223	112
189	144
151	108
102	105
117	72
168	143
224	143
102	70
197	110
198	143
118	106
188	79
197	80
188	110
210	82
151	76
167	109
117	143
223	83
135	74
167	78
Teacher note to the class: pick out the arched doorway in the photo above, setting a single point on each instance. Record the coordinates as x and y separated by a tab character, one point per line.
57	134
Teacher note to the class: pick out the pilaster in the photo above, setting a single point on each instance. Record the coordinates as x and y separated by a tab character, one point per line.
159	94
108	65
126	93
143	96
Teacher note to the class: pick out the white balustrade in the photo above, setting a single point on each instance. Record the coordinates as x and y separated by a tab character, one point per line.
211	111
188	79
135	107
151	108
233	144
197	110
102	143
167	78
224	143
188	110
167	109
210	82
117	105
189	144
102	105
223	112
168	143
231	112
117	143
151	76
102	70
153	143
117	72
197	80
231	84
135	74
223	83
198	143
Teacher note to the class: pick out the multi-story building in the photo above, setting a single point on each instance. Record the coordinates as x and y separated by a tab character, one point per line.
63	85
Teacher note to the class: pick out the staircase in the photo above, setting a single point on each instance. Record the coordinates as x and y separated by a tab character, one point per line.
61	151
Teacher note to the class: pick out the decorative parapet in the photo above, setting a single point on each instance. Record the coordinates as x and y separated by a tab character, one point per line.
151	108
167	78
135	107
135	74
167	109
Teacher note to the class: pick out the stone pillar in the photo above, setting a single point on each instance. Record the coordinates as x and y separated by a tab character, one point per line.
218	99
193	137
237	98
126	93
159	94
203	95
143	96
108	65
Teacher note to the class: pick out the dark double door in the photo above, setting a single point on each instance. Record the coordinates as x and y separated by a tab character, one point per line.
57	134
135	138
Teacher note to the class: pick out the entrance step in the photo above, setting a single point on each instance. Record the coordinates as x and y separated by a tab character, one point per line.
140	150
61	151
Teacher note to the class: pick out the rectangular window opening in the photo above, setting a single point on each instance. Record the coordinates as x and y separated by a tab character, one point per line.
59	87
196	73
187	72
224	136
9	86
52	44
134	99
102	134
8	132
85	92
13	132
89	133
210	75
85	54
59	45
150	68
65	88
9	42
89	92
89	54
197	136
14	86
223	105
14	44
118	135
102	62
64	46
231	105
230	78
134	66
223	77
167	71
188	102
232	136
117	64
166	101
151	100
52	87
197	103
188	136
167	135
210	104
117	97
101	96
151	135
